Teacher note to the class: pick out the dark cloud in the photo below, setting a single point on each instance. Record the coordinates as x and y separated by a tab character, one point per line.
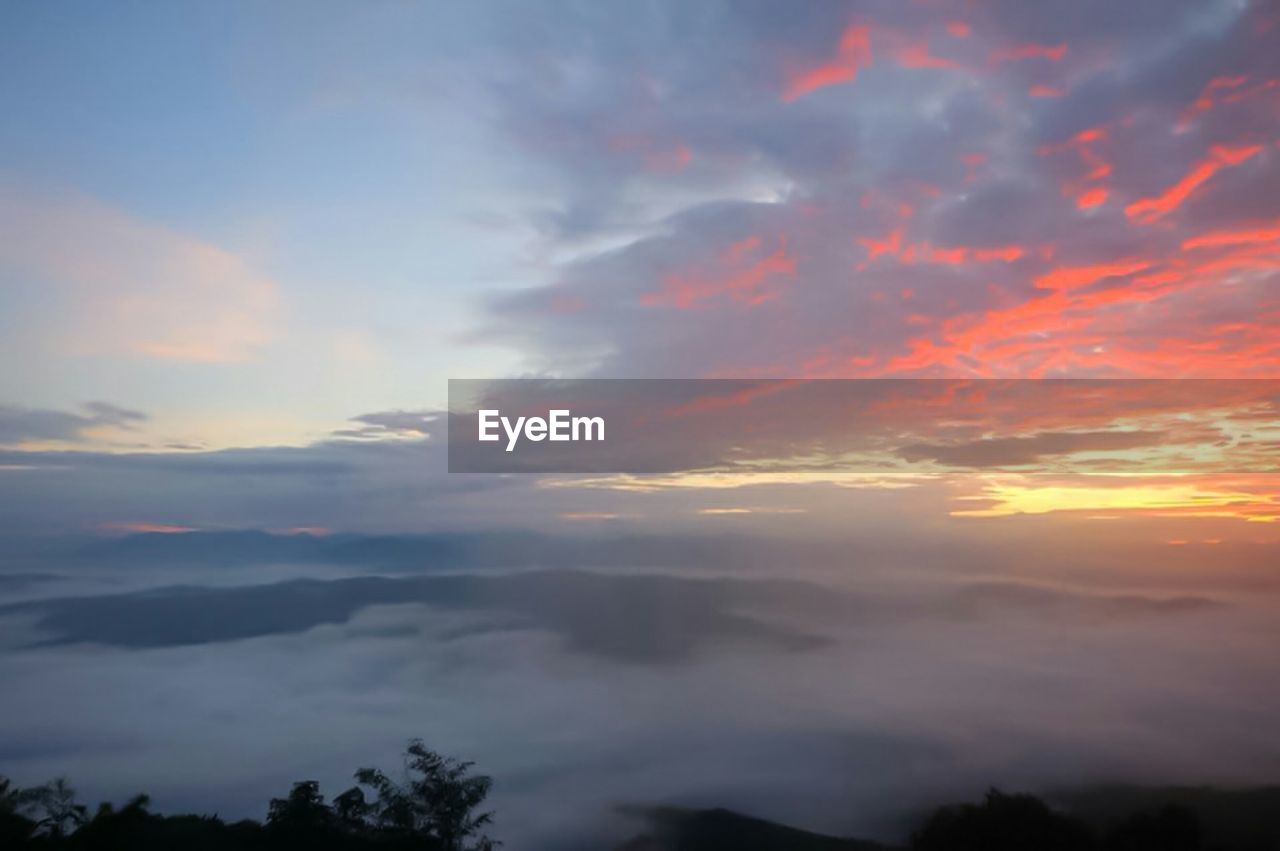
1016	451
10	582
18	425
391	424
651	618
632	618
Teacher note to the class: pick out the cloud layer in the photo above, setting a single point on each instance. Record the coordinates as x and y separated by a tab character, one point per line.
903	189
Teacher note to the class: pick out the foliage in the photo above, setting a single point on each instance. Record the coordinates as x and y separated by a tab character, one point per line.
434	808
434	804
1002	823
438	799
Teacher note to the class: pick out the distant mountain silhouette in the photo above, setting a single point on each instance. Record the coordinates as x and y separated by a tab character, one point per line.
676	829
1098	818
511	548
653	618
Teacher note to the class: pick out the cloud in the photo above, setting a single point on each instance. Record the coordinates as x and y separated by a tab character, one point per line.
631	618
22	425
880	191
748	189
124	285
780	444
635	687
977	598
412	424
634	617
1017	451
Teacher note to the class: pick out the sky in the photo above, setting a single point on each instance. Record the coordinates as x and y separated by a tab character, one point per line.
247	245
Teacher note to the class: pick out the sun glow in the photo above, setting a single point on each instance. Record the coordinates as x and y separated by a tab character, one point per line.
1197	499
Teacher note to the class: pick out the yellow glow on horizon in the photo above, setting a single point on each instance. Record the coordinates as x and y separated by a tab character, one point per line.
1175	498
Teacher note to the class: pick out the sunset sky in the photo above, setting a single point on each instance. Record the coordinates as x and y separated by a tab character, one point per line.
244	227
245	246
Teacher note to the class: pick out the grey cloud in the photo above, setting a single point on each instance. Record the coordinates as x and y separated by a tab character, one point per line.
392	423
1094	21
632	618
108	413
731	705
1015	451
23	424
984	598
334	483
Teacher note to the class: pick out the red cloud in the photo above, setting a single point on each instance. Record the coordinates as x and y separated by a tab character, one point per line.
853	54
734	274
1249	236
1019	52
1091	197
1147	210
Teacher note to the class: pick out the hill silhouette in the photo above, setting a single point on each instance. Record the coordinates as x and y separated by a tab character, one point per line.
677	829
435	804
1102	818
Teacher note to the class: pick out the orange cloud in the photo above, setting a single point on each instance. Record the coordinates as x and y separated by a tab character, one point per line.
1148	210
1205	101
924	252
1018	52
1008	254
891	244
1076	325
853	54
138	528
1224	90
734	274
1249	236
917	55
1083	144
1091	197
1074	277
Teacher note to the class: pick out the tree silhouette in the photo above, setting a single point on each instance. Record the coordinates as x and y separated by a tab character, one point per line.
15	828
301	820
1002	823
437	800
434	808
53	808
304	807
112	828
351	810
